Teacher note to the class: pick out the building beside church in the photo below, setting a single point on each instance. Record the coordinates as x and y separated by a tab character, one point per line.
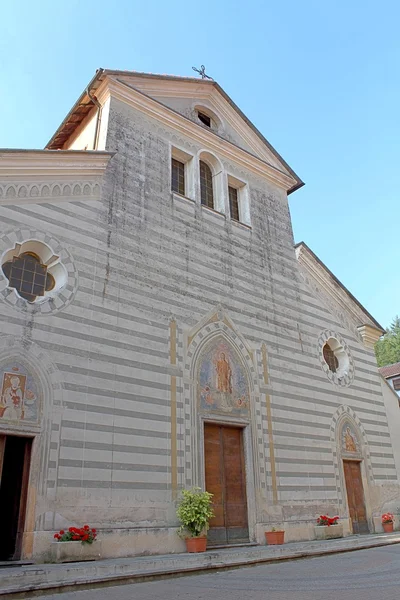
391	373
160	331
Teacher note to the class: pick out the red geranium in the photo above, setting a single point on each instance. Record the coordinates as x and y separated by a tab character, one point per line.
326	521
387	518
83	534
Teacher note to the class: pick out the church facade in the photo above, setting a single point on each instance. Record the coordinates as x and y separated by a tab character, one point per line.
161	331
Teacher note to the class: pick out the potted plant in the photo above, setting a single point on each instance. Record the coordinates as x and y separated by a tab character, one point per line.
387	522
275	537
194	512
75	544
328	528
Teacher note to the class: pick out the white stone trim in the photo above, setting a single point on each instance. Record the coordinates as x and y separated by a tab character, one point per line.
38	192
201	90
254	439
345	413
64	296
215	144
345	376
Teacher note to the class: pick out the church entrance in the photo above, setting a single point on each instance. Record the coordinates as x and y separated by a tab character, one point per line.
14	474
226	479
355	496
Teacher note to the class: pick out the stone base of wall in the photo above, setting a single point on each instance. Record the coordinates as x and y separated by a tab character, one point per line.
142	541
297	531
116	543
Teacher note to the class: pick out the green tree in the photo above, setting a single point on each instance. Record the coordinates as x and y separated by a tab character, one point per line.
387	349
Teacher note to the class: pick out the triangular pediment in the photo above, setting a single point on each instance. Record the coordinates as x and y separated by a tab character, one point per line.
175	102
186	95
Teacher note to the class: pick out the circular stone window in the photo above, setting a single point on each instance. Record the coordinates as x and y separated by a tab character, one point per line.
335	358
35	275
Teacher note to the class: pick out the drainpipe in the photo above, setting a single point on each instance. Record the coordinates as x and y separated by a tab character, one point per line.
98	120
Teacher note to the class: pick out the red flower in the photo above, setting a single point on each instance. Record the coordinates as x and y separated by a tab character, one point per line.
75	538
56	536
62	531
86	527
94	531
71	529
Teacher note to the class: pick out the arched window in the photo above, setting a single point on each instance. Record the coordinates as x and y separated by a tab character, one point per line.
330	358
206	185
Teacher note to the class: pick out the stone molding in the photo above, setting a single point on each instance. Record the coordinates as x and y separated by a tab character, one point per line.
346	379
124	92
339	301
52	164
345	413
370	335
214	325
45	191
224	111
51	175
53	304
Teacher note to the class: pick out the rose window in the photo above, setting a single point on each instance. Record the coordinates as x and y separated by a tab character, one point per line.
33	271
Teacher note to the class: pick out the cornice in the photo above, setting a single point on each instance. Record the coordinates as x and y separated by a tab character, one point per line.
169	89
37	192
369	334
43	165
332	289
208	139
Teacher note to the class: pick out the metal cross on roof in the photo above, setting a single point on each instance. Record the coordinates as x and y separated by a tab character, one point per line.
202	72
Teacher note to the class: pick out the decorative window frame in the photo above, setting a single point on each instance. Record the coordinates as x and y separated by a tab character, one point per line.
188	160
344	375
216	123
53	303
243	199
220	190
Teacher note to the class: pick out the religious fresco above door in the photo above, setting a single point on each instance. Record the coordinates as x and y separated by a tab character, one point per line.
222	380
19	400
349	441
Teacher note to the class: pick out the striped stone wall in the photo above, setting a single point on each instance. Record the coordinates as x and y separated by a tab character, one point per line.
146	259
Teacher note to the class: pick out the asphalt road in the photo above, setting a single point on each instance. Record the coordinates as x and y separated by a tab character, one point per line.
363	575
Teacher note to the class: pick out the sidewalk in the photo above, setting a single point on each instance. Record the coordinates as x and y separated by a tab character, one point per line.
18	581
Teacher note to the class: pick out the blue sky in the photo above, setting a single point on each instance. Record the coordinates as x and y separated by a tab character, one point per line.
320	79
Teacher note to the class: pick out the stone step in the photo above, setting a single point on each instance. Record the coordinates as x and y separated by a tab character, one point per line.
51	578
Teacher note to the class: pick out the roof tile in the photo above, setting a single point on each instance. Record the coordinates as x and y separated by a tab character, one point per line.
390	370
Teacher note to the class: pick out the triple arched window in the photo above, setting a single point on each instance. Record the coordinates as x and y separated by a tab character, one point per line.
219	190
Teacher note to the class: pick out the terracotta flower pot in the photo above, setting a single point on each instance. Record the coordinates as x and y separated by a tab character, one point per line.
388	527
274	538
196	544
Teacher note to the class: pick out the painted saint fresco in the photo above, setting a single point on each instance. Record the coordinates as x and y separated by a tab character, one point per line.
18	396
222	382
349	440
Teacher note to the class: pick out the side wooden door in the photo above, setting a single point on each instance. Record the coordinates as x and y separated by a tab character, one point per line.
355	496
225	478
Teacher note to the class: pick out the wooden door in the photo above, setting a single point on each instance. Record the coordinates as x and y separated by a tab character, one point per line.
225	478
355	496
